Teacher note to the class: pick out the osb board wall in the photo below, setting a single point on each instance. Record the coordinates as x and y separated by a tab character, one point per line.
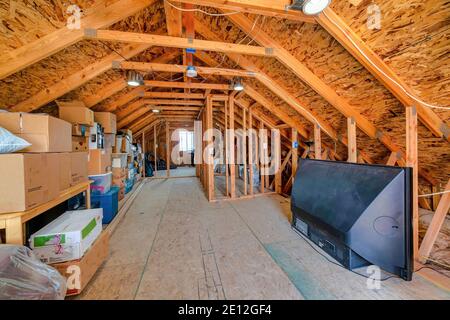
23	21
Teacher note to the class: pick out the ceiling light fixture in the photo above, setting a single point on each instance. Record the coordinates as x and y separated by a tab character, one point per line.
135	79
310	7
191	72
237	85
156	110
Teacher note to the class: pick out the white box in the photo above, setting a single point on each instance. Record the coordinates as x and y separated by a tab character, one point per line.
67	237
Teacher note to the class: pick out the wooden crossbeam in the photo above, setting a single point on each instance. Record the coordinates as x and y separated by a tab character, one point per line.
183	85
271	8
45	46
175	68
330	21
175	42
174	95
168	102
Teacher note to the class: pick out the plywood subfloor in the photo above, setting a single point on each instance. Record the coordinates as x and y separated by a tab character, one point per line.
173	244
178	172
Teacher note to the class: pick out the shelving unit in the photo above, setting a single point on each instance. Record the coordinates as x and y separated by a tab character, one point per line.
14	222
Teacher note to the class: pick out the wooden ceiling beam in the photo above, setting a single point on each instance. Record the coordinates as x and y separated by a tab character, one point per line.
271	8
173	95
131	117
168	102
142	122
120	84
175	42
173	19
183	85
117	104
129	108
335	26
159	67
49	44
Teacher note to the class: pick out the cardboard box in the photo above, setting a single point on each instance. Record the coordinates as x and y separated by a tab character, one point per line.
23	182
119	173
45	133
76	112
107	120
67	237
80	130
52	161
80	144
78	167
79	272
65	171
99	161
118	145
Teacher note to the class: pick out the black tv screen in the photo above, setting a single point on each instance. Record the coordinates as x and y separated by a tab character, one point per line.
360	214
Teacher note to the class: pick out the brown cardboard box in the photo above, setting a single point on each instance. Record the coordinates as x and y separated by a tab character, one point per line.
79	272
119	172
80	144
76	112
23	183
52	161
107	120
78	167
65	171
45	133
99	161
80	130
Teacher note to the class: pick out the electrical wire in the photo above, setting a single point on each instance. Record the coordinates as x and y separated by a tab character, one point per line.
202	11
382	72
433	194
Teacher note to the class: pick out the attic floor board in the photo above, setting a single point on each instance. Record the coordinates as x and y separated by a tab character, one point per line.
188	248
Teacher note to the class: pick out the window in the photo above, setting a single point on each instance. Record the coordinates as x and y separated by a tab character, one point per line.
186	141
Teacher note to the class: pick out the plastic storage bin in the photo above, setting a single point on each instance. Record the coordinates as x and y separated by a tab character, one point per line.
128	185
109	202
101	184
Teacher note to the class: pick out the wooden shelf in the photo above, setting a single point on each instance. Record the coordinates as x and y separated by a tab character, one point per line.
14	222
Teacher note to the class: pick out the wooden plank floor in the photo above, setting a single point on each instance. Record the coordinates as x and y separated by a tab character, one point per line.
187	248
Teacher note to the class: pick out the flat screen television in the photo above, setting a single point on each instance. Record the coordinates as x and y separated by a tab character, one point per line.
359	214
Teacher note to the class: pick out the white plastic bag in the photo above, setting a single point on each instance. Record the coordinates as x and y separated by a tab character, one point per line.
24	277
10	143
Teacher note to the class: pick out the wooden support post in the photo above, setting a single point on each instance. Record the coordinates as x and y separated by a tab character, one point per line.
15	231
352	148
198	136
411	161
277	158
262	158
210	151
167	149
294	152
250	150
435	225
227	153
231	144
155	146
143	152
317	142
244	148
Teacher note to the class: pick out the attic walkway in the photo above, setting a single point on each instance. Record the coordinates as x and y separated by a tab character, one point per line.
188	248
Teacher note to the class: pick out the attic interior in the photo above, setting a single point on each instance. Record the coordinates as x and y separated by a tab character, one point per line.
212	149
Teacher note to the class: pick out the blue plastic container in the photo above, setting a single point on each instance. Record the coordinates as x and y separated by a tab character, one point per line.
109	202
128	185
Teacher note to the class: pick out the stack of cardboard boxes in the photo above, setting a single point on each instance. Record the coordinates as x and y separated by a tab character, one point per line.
38	173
